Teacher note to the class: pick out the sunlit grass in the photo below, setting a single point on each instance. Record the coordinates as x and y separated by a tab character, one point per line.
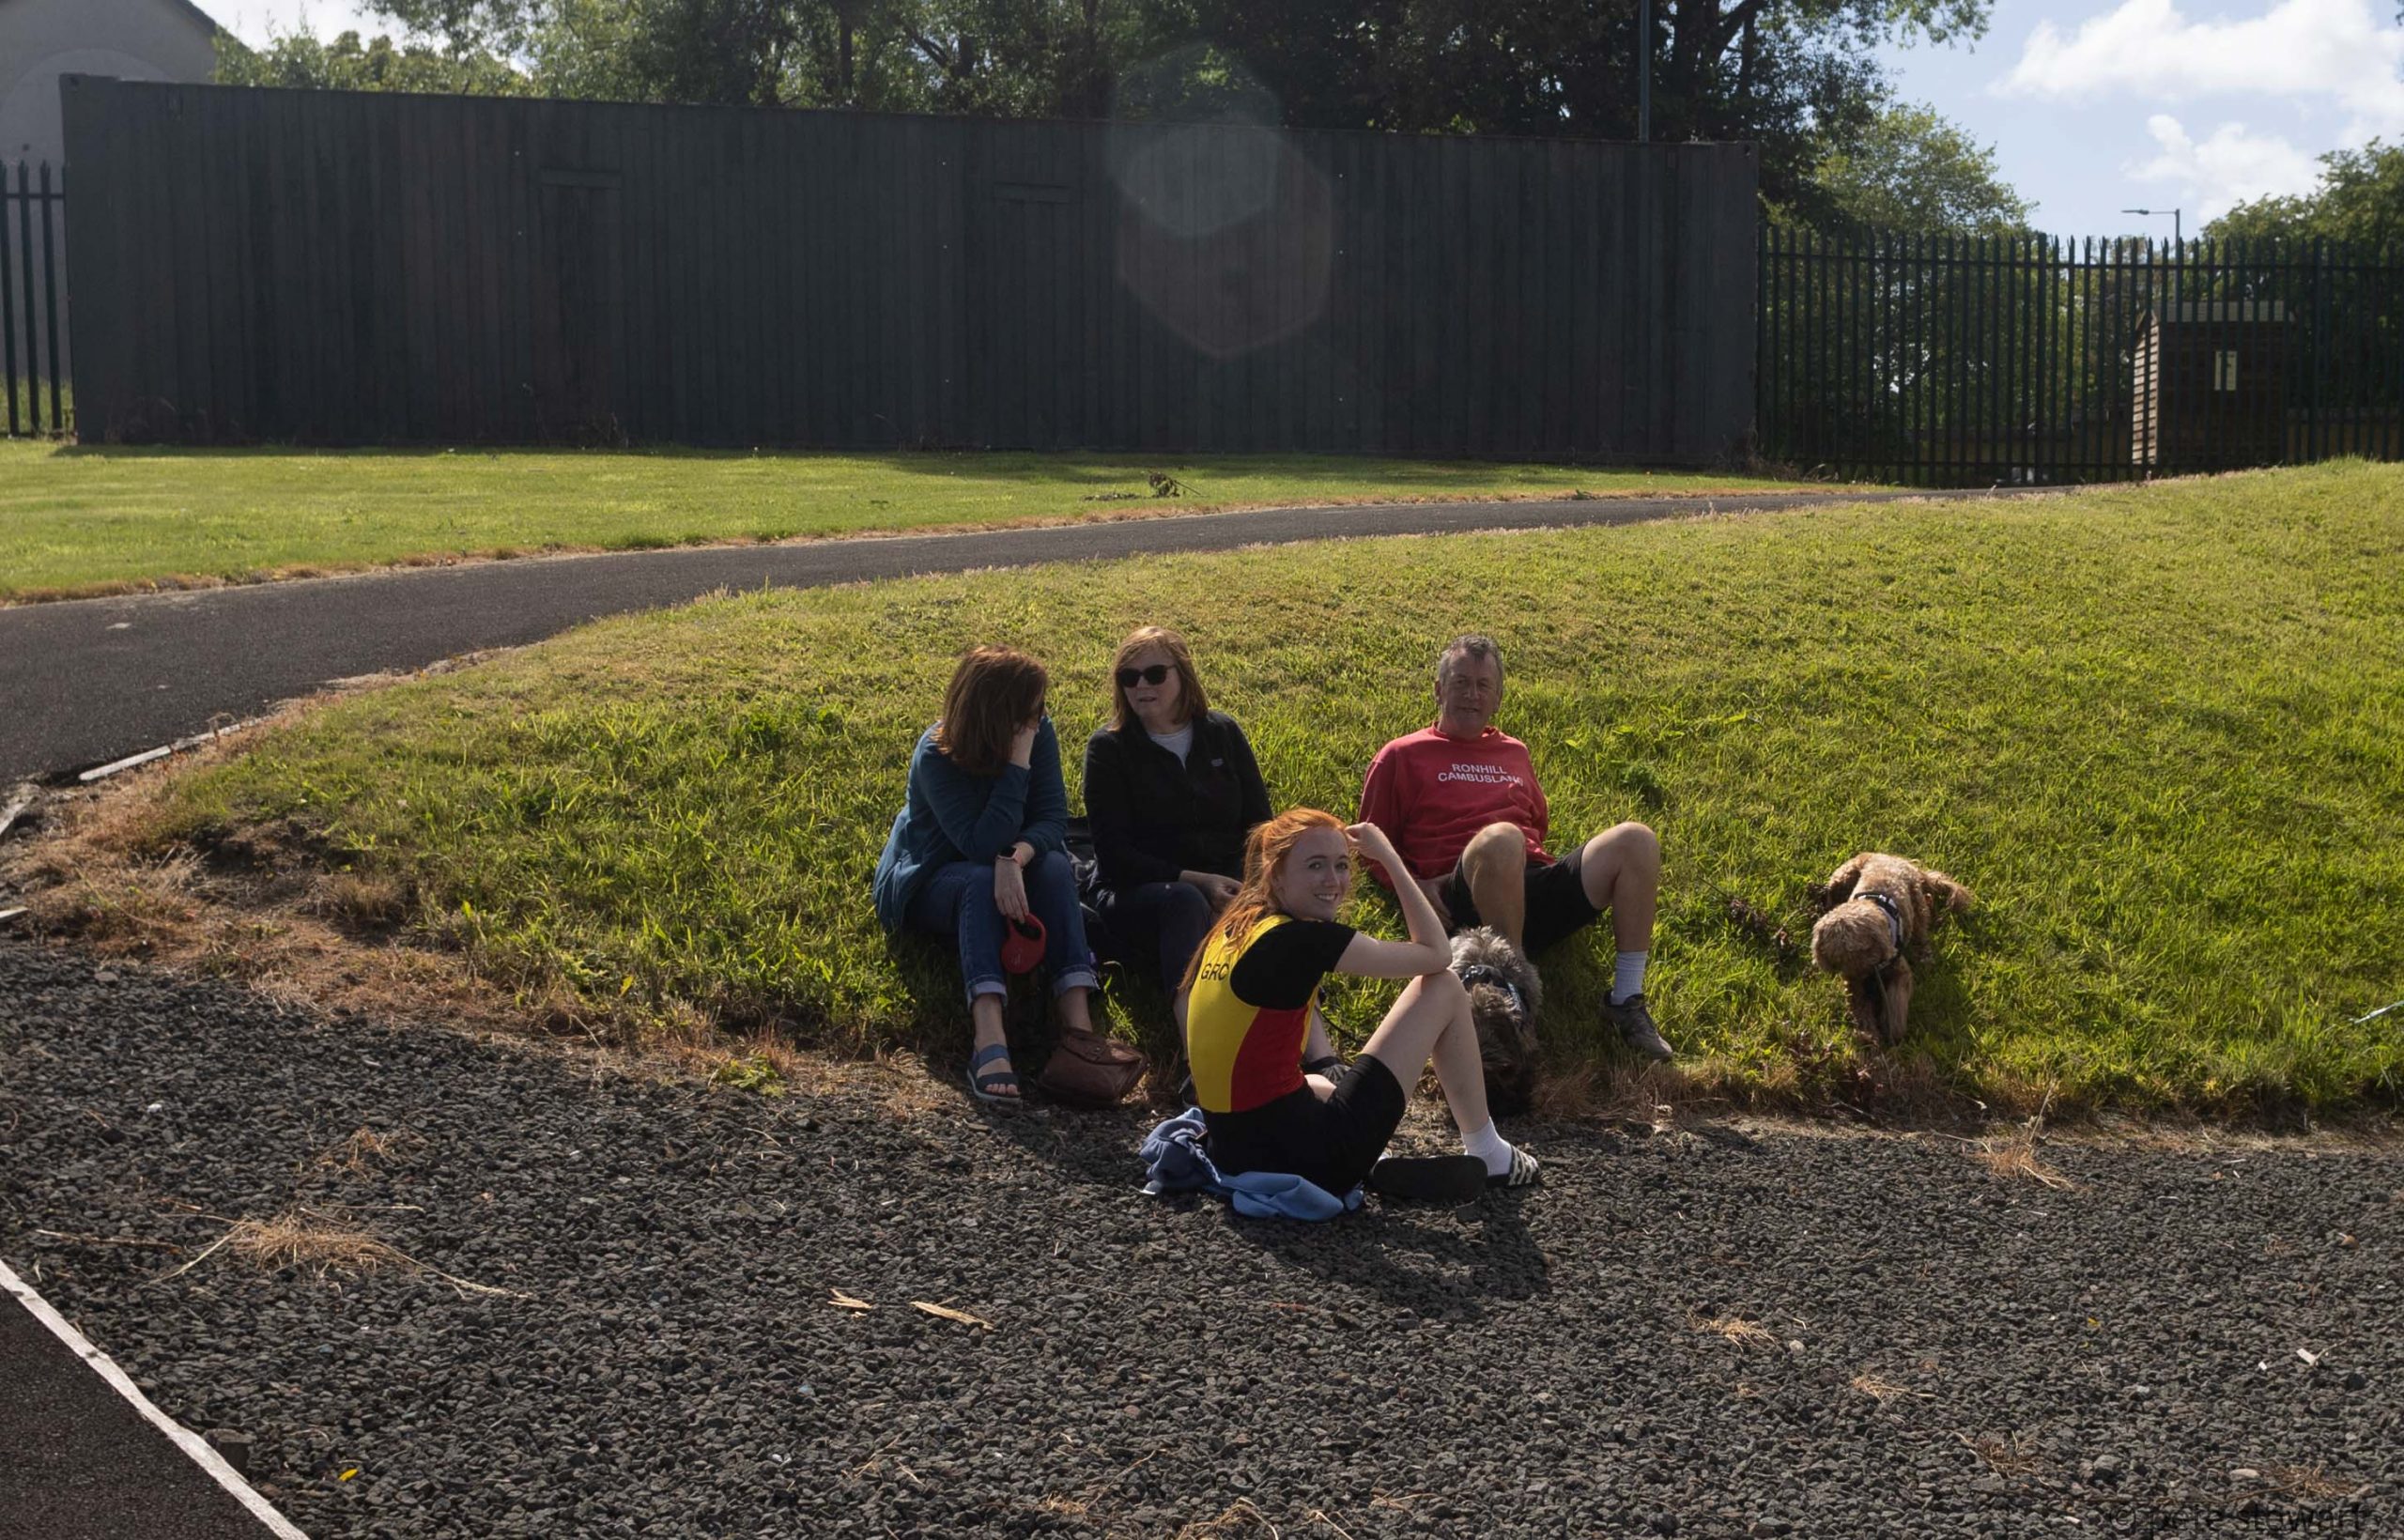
2159	730
77	521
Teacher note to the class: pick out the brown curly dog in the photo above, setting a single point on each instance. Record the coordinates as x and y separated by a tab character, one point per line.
1874	910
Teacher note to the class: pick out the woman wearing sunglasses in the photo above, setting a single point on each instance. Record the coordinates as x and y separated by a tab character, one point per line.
977	848
1171	790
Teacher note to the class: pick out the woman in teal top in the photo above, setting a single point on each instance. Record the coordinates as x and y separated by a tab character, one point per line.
978	847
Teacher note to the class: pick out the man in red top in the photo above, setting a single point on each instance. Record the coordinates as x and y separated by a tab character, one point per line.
1461	803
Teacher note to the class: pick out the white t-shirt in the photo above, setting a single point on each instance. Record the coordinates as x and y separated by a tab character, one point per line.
1178	742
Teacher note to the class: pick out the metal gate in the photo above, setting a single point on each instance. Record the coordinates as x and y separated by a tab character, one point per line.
35	398
1956	361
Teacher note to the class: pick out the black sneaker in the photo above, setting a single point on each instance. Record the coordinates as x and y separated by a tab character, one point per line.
1636	1028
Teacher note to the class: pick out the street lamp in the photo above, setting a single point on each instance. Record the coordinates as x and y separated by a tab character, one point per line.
2176	232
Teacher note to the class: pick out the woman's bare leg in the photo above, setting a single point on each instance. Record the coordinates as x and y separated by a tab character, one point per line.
1431	1022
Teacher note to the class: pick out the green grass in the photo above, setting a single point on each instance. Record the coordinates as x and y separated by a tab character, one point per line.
33	411
78	521
2160	731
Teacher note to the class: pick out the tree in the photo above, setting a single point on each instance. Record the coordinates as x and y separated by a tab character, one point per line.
2360	201
348	63
1913	172
1799	77
1008	57
1796	76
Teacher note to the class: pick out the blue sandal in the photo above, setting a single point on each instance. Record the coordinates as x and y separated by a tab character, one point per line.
988	1086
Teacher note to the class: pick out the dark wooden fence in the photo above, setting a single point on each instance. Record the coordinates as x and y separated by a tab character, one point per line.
1968	361
33	400
353	269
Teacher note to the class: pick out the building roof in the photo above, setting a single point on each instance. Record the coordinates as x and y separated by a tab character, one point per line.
190	10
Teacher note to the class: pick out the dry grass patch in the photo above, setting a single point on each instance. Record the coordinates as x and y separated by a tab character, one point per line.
262	913
1881	1390
2307	1482
364	1148
360	901
2009	1453
1656	1097
2012	1157
262	916
300	1238
1733	1329
1243	1517
322	1245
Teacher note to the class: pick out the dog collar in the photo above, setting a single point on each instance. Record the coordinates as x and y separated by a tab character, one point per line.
1480	972
1894	915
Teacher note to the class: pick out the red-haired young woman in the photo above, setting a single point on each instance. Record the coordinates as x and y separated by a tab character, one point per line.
1252	1015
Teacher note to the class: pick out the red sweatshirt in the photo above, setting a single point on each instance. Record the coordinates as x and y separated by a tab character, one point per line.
1430	793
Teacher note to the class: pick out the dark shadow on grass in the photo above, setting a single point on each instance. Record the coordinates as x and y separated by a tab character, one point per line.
1114	468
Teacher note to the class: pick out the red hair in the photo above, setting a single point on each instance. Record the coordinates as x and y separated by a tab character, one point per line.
1266	850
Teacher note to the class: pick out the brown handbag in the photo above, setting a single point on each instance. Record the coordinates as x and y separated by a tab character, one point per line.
1087	1070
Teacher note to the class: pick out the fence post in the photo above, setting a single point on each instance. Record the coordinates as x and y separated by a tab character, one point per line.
7	326
25	281
1761	340
50	294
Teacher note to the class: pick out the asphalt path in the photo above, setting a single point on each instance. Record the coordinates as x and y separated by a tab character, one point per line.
81	1464
90	681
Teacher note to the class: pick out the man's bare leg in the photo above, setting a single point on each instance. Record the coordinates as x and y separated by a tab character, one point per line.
1621	870
1496	864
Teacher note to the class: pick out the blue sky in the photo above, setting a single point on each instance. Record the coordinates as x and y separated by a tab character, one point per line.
2092	106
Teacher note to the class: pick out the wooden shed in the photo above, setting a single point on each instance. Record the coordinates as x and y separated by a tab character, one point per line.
2212	385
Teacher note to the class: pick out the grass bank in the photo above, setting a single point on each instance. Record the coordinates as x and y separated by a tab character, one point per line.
77	521
2159	730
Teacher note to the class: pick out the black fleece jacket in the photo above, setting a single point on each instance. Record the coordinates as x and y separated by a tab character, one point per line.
1153	818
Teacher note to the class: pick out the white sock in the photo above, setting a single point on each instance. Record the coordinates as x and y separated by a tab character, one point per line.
1489	1147
1627	976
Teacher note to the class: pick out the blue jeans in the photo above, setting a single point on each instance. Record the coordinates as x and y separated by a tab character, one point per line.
1162	921
957	903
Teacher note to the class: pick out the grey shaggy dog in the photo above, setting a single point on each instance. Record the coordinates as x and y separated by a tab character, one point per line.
1504	998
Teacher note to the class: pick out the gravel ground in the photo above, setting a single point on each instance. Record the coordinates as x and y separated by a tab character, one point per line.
1937	1351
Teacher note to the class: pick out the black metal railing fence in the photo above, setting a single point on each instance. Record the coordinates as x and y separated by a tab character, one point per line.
36	398
1944	359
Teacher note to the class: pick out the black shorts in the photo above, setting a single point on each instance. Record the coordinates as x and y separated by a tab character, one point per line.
1332	1143
1557	907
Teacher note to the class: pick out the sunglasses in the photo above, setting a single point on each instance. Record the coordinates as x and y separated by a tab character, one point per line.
1153	675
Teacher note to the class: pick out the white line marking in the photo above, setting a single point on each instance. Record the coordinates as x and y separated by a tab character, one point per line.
103	772
185	1438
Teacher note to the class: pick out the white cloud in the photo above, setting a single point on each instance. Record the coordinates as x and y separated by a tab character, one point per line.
2344	51
2232	166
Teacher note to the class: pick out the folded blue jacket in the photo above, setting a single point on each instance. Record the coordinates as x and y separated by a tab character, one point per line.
1174	1161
